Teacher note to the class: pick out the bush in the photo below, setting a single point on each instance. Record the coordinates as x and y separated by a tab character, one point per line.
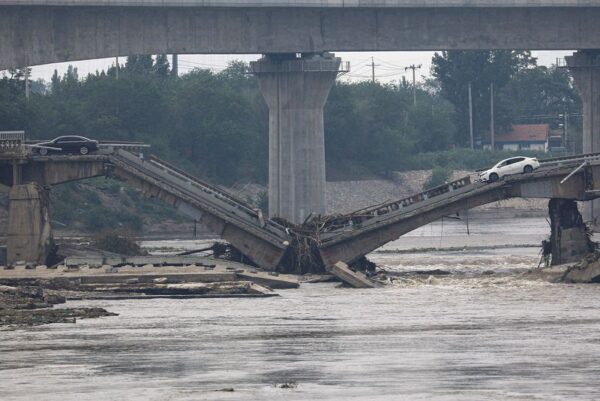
439	176
117	242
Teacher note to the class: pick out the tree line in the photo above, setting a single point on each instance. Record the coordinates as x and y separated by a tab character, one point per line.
215	124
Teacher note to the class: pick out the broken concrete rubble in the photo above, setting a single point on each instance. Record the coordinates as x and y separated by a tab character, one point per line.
225	279
350	277
179	290
586	271
32	305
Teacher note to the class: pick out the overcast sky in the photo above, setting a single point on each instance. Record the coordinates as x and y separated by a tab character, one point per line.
389	66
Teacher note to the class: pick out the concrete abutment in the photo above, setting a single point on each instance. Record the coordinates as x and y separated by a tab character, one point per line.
29	236
295	90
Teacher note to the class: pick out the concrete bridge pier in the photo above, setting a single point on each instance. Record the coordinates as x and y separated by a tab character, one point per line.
585	67
29	237
569	239
295	89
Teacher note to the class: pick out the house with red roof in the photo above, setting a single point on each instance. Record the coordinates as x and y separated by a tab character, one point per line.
522	137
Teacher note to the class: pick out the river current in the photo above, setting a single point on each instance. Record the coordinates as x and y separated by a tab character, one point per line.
480	333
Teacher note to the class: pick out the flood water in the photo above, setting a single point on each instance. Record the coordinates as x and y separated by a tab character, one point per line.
480	333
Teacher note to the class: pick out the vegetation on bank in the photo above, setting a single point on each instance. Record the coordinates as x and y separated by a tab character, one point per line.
100	204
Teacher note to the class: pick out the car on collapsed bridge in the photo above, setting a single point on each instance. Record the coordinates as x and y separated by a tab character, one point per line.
514	165
68	144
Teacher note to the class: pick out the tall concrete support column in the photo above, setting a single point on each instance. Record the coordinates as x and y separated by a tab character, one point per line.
29	233
585	67
295	90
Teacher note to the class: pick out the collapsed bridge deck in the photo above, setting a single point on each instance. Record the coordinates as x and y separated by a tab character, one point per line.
321	241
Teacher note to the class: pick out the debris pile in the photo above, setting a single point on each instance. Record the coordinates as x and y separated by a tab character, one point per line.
33	305
117	242
160	287
586	271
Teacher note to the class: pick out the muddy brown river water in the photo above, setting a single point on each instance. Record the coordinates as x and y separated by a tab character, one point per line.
471	335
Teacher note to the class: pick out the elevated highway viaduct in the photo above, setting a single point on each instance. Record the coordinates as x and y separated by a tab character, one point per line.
295	87
46	31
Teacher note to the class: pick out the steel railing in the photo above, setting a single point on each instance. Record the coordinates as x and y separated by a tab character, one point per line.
12	142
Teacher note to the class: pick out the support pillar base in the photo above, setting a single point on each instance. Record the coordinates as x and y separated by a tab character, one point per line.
29	236
569	238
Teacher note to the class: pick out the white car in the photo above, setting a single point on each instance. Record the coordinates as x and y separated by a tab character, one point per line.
514	165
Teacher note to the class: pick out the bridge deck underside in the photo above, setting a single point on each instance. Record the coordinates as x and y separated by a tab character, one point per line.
40	35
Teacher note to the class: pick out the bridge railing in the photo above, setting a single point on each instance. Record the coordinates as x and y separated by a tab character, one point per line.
218	198
11	142
364	215
567	160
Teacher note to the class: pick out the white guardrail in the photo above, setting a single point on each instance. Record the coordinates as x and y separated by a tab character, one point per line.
12	142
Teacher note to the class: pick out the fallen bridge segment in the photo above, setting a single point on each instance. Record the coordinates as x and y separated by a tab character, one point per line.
263	241
321	241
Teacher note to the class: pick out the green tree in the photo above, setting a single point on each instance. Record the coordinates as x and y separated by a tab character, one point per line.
539	92
161	66
215	126
372	126
455	70
139	64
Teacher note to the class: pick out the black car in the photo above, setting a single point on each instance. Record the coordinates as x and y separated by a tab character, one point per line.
68	145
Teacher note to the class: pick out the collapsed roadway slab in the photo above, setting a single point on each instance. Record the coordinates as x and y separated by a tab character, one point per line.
322	241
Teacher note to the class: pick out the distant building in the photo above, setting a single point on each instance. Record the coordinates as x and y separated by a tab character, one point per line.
522	137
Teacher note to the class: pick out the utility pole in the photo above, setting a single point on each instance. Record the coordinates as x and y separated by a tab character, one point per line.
414	68
175	66
27	83
117	68
372	69
566	130
492	132
471	116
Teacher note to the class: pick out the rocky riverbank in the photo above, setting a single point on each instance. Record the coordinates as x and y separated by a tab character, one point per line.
33	305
